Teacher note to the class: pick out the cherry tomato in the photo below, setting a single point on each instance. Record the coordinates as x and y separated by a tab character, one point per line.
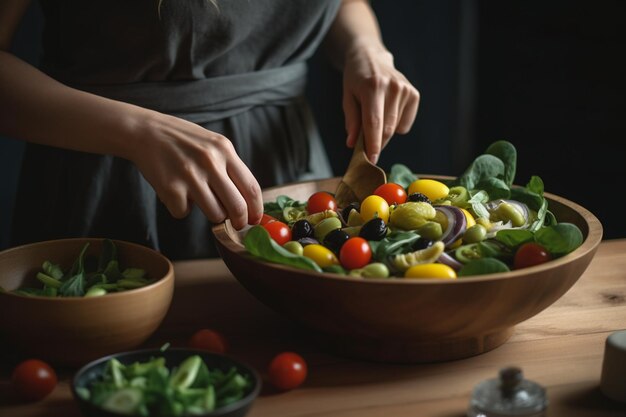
432	189
209	339
266	218
433	270
392	193
287	370
33	379
320	254
355	253
278	231
374	206
321	201
530	254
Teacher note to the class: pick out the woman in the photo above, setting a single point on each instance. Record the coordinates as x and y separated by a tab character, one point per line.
150	120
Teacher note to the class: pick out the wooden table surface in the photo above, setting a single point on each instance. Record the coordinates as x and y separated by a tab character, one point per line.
560	348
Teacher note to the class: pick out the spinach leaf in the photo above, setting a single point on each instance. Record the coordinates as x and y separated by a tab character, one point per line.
107	254
559	239
401	175
259	243
480	170
495	187
483	266
396	242
515	237
74	286
506	152
535	185
281	206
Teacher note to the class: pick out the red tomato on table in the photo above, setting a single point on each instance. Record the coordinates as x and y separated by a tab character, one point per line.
33	379
209	339
287	370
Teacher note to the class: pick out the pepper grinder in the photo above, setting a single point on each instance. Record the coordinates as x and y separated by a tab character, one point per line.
508	395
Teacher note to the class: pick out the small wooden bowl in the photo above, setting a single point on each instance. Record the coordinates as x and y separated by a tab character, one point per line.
72	331
399	320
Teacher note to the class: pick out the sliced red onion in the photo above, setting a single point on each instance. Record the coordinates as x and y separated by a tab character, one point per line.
457	223
447	259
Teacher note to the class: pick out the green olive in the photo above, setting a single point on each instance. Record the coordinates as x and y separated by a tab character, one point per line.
506	212
95	292
475	234
325	226
294	247
373	270
430	230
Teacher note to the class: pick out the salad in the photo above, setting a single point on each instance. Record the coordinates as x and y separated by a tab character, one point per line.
87	277
151	388
410	227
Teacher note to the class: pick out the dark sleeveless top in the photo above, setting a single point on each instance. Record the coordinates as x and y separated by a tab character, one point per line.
237	67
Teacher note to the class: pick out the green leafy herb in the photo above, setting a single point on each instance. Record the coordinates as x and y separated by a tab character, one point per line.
402	175
259	243
483	266
77	281
559	239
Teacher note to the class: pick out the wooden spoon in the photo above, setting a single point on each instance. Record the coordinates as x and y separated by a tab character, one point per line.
361	178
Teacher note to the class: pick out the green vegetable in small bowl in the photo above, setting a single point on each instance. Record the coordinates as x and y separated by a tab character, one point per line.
85	278
174	382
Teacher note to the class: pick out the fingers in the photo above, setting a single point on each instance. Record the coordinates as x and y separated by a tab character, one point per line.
353	118
249	188
372	115
409	110
234	186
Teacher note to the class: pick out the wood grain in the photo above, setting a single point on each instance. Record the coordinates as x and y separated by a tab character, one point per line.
560	348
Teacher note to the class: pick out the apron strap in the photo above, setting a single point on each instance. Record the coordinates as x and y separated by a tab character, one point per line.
211	99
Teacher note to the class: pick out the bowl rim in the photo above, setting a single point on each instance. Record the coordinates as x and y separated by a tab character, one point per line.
589	244
242	402
167	277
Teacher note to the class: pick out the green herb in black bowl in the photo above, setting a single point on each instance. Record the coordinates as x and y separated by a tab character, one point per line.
174	382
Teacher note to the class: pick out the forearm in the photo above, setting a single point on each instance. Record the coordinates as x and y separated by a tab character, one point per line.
38	109
355	28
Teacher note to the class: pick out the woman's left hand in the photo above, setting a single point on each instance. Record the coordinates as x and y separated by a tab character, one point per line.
376	97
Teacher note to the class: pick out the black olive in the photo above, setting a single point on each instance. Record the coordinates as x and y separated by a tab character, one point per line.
422	243
345	212
308	241
419	197
301	228
375	229
335	239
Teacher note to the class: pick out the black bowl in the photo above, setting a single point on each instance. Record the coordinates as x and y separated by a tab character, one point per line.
173	357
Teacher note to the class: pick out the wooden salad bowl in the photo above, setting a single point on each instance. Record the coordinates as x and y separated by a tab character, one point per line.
402	320
72	331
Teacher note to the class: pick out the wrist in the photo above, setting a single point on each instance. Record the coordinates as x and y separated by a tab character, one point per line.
369	48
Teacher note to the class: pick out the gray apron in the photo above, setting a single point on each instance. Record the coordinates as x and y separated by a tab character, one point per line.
248	88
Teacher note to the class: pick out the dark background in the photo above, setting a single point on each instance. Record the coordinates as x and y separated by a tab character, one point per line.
547	76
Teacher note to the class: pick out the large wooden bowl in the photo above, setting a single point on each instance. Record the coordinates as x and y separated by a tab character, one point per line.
398	320
73	331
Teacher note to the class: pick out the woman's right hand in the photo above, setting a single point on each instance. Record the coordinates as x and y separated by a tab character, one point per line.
187	164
